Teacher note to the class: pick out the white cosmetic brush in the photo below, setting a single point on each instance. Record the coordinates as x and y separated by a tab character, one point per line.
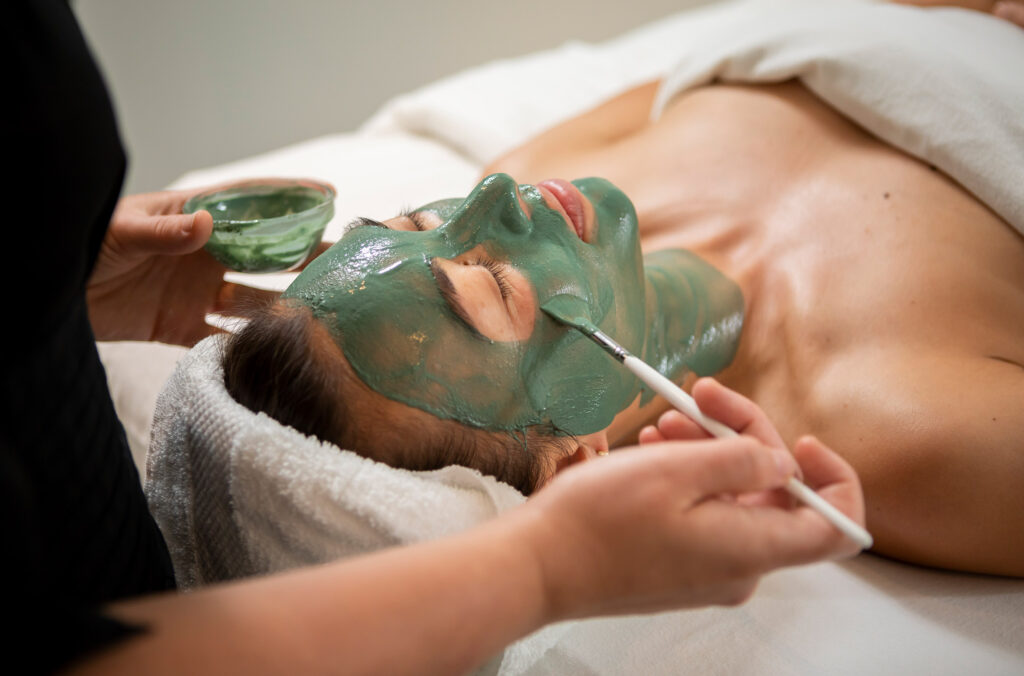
566	309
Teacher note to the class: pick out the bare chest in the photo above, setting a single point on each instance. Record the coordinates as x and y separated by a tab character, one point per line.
851	255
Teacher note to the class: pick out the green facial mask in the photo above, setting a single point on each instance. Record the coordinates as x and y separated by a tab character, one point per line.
694	315
376	292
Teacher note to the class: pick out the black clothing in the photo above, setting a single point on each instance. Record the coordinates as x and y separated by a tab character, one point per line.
75	521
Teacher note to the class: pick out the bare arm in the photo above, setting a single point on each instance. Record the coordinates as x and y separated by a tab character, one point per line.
429	609
666	541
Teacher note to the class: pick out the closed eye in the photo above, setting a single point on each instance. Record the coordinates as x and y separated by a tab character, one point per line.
451	289
364	222
451	294
416	218
419	221
491	296
500	274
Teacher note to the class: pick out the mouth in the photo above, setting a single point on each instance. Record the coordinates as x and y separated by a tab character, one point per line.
566	199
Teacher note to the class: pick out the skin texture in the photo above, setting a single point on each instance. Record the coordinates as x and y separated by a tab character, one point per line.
456	358
884	304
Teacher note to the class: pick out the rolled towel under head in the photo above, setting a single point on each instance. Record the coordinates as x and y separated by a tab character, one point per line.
237	493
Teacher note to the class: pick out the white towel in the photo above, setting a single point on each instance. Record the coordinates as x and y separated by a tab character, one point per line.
488	110
239	494
945	85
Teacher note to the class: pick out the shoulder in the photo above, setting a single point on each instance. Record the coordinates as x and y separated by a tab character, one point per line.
937	438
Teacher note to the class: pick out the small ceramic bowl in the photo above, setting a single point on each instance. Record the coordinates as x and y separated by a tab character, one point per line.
265	225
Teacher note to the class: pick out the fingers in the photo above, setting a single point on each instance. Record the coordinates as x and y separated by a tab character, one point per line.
650	435
152	224
830	476
138	233
722	404
735	410
1010	10
675	425
672	426
737	465
802	535
165	202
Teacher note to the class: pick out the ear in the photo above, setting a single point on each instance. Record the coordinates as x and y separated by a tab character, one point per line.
588	447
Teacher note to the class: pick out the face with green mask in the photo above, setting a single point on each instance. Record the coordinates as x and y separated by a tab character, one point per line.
448	319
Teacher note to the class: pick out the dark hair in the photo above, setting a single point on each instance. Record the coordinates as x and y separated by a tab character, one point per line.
285	364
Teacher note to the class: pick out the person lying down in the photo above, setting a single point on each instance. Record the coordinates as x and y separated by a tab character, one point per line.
851	290
432	322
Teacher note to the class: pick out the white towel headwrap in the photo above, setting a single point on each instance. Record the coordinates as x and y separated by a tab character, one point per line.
239	494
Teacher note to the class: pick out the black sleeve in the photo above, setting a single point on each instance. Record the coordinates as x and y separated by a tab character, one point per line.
75	518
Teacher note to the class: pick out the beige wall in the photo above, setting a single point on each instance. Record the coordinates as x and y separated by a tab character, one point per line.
203	82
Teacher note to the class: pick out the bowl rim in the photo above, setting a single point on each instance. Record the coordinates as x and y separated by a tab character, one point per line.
191	205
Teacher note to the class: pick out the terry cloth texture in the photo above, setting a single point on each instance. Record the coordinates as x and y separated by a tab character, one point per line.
238	494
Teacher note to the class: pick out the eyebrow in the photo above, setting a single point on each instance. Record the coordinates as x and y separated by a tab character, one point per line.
451	297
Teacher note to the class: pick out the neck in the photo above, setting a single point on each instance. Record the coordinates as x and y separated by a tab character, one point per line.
694	319
694	315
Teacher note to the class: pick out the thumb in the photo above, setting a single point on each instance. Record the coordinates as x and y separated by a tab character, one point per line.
163	234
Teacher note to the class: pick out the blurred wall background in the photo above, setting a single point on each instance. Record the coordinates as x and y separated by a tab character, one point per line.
202	82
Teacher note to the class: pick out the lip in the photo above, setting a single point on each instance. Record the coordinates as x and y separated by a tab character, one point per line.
564	197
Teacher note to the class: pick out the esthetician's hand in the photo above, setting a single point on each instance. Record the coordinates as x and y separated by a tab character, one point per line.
1011	10
742	415
662	526
154	281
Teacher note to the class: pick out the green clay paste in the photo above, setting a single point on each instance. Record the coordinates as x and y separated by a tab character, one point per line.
266	228
376	293
694	316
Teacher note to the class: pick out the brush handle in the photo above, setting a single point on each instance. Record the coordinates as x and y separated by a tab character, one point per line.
687	406
677	397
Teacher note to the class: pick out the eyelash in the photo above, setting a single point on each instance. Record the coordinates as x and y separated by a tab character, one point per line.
416	218
497	270
500	275
364	222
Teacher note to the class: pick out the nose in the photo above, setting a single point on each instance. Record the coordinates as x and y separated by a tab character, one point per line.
496	200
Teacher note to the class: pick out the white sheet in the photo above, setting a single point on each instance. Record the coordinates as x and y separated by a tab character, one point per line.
865	616
935	84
